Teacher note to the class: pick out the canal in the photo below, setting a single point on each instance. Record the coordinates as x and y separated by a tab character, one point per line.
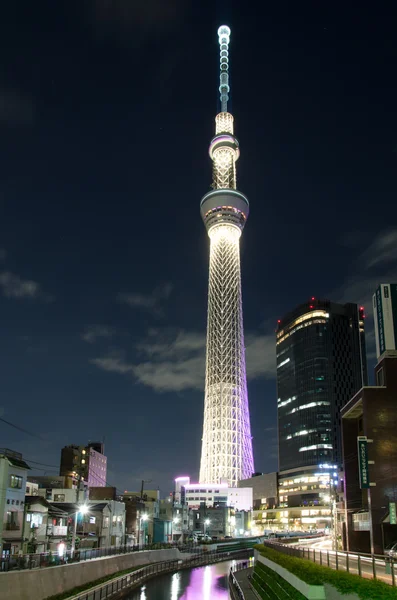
202	583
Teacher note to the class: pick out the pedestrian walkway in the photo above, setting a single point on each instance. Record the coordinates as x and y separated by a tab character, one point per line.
245	584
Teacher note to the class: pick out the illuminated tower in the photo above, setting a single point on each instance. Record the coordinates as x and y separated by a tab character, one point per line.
227	444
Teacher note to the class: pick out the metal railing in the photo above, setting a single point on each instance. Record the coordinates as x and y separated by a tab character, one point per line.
125	582
373	566
51	559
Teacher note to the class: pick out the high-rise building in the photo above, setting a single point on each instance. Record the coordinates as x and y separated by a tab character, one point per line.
321	364
385	317
85	463
226	444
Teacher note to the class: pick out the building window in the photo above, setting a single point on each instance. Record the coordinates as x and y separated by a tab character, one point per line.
380	377
15	482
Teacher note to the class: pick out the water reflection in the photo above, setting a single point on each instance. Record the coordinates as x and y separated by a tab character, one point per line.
203	583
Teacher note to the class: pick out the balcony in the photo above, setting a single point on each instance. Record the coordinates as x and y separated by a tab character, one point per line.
57	530
11	526
361	521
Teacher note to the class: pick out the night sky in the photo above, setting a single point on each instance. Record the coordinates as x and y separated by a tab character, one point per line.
106	113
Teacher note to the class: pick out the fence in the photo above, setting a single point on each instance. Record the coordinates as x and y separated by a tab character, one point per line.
365	565
125	582
107	590
51	559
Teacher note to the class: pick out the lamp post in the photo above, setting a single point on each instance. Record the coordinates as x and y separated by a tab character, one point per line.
175	521
83	510
206	523
142	519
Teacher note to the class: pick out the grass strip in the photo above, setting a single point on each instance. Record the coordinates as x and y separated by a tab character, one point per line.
273	585
88	586
345	583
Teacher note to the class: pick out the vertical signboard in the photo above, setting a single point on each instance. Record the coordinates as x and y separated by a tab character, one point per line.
363	461
379	315
392	513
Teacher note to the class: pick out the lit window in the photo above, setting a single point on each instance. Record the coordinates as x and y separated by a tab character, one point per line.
15	482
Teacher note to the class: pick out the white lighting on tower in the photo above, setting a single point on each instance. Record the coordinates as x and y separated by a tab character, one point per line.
227	443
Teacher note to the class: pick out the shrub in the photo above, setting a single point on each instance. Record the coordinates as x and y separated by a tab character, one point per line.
345	583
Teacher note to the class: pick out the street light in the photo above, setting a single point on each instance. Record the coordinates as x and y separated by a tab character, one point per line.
206	523
142	519
83	510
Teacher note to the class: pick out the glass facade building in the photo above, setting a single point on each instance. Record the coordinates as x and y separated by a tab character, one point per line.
321	364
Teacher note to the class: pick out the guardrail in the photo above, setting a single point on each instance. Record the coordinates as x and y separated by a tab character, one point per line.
374	566
125	582
51	559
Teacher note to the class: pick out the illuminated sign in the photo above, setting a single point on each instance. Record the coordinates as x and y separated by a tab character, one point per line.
362	445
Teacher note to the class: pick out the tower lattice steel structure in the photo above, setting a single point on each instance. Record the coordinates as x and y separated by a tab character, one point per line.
227	444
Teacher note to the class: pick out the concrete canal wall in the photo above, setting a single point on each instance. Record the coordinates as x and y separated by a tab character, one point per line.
39	584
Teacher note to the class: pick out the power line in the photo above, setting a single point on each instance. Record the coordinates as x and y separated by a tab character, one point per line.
22	429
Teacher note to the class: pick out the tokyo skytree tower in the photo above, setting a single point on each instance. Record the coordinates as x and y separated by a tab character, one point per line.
226	452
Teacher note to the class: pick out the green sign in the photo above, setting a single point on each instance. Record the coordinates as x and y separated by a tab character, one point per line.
363	461
392	513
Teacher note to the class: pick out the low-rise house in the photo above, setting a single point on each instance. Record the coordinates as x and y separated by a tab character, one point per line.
13	475
45	526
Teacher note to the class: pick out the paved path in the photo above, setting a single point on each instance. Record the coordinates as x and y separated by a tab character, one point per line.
244	583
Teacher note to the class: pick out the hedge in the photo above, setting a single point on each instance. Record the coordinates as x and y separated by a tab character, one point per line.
345	583
271	586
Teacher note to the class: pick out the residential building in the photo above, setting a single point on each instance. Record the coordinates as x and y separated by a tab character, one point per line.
216	522
113	528
59	488
85	463
321	363
13	476
134	510
178	514
44	526
369	427
162	531
385	317
151	501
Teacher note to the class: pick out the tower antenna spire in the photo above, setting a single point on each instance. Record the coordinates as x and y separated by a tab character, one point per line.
224	88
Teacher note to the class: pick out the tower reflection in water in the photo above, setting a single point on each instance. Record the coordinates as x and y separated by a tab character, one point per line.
202	583
207	583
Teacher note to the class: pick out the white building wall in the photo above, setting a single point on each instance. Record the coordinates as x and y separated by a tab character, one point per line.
238	498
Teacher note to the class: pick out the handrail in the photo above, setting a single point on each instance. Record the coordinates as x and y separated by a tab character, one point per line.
107	590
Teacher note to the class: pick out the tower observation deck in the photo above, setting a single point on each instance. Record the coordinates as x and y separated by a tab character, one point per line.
226	444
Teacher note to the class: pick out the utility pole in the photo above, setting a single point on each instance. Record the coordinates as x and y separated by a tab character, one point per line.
80	468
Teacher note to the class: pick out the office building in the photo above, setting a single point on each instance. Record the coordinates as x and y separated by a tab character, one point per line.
226	451
264	489
321	364
385	317
369	428
218	495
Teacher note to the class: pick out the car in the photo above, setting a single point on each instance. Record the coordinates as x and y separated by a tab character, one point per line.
391	550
